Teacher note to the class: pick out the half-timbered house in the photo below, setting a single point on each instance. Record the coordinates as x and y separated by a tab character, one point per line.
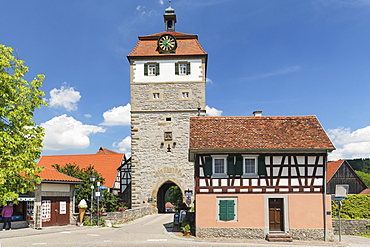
260	175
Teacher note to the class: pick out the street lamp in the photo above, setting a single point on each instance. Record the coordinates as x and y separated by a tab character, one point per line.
92	180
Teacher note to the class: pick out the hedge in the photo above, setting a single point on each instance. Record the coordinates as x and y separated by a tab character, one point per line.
353	207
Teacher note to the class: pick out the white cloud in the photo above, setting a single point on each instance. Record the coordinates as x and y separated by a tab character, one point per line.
213	111
123	146
67	133
87	115
209	80
283	71
161	2
118	116
350	144
65	97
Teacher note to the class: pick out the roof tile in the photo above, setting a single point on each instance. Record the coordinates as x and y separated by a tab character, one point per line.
258	133
105	164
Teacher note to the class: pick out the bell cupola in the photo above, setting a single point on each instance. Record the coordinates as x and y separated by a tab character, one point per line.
169	19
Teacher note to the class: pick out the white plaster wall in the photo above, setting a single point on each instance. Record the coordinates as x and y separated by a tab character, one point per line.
167	71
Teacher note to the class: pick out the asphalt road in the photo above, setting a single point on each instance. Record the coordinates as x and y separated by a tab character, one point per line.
148	231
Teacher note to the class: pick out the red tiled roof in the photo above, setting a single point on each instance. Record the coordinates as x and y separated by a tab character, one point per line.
51	175
105	164
105	151
258	133
169	205
365	192
331	168
187	44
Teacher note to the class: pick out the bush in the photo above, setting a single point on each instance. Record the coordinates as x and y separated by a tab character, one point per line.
353	207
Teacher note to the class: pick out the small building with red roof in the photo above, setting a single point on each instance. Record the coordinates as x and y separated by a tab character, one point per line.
341	172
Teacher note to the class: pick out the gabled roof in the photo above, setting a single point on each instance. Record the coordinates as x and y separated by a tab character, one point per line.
331	168
187	44
269	133
105	151
50	175
105	164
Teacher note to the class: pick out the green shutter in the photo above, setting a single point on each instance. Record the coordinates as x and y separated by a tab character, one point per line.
157	69
208	166
188	68
145	69
239	165
230	165
226	209
176	68
261	165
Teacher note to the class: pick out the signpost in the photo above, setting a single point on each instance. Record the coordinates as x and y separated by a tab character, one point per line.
341	191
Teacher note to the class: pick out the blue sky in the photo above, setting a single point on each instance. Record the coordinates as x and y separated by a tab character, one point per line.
286	57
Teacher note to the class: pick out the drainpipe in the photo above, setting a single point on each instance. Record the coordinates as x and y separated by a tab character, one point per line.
324	199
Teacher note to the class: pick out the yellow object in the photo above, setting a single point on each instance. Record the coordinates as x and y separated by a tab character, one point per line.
82	213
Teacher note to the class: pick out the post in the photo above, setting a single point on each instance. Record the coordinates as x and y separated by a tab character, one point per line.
340	225
98	199
92	203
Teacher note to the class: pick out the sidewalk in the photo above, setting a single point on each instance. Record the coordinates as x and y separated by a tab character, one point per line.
347	240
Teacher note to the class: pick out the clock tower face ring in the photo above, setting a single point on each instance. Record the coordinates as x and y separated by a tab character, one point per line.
167	42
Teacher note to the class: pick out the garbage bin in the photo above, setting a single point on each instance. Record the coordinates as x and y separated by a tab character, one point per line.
176	218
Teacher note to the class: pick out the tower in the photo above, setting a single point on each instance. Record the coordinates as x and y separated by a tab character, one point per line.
167	86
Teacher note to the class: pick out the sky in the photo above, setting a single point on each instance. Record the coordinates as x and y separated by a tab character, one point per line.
285	58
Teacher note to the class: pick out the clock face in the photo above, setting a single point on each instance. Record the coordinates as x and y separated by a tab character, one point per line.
167	42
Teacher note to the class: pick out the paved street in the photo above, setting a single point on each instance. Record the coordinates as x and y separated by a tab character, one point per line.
148	231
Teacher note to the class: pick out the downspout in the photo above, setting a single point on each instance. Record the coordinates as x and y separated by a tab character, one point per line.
324	199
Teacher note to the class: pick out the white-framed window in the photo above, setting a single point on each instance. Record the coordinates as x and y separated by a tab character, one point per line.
219	166
227	209
182	69
250	166
151	69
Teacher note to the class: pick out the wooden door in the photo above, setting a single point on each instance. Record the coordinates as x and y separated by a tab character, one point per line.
55	211
276	214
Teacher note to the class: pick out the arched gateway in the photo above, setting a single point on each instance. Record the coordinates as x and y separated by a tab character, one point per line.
167	85
161	202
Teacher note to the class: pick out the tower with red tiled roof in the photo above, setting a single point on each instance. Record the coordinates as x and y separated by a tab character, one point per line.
167	85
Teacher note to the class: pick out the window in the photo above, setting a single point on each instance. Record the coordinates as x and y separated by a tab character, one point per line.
218	166
185	95
156	96
151	69
182	68
226	209
250	166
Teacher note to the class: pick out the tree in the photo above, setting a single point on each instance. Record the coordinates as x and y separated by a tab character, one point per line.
83	191
174	195
364	177
20	138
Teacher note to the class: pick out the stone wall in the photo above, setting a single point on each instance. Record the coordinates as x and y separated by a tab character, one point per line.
229	232
351	227
311	234
121	217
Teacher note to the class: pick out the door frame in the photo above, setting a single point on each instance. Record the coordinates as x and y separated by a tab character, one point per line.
285	211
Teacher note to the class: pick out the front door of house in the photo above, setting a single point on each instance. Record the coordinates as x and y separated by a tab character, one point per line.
276	214
55	211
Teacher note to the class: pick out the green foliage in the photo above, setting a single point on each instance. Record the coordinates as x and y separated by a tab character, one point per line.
364	177
174	195
20	138
83	191
362	165
353	207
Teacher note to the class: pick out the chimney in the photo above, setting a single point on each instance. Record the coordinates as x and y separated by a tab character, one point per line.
257	113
